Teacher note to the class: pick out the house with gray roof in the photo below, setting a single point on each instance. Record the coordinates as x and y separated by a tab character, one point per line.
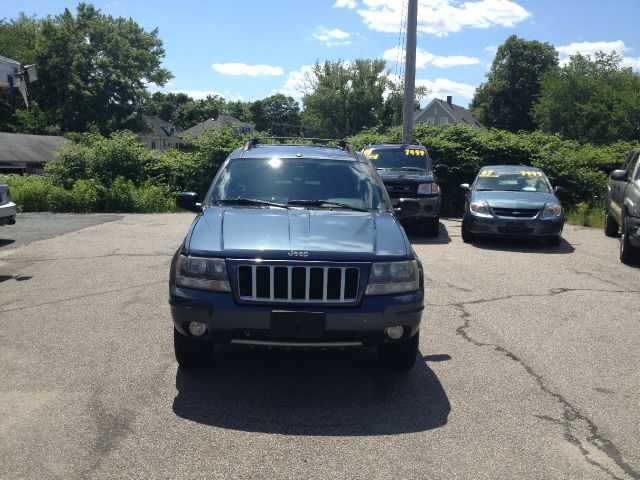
219	122
439	112
160	135
22	153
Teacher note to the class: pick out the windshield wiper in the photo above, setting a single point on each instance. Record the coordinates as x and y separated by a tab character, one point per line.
319	203
249	201
412	169
484	189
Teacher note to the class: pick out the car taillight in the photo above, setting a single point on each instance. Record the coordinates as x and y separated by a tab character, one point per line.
9	194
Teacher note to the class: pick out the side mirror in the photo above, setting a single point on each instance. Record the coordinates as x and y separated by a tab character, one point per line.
618	175
188	201
407	207
560	191
441	169
465	187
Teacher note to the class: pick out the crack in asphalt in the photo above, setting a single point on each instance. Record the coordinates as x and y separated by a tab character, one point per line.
571	415
78	297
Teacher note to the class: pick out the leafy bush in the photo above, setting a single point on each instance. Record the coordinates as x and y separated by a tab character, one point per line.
29	192
120	196
87	196
581	168
153	198
59	199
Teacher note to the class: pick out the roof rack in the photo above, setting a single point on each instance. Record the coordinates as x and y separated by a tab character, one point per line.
342	144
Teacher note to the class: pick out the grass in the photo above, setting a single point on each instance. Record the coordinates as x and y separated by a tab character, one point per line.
586	215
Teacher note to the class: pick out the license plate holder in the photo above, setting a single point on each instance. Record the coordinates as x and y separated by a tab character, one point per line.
287	325
516	227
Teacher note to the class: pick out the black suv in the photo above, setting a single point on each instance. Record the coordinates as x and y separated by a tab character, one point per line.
407	172
623	207
296	246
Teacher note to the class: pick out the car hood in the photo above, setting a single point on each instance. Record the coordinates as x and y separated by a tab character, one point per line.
515	199
395	176
328	235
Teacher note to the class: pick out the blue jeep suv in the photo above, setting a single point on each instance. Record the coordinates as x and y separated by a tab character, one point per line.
296	246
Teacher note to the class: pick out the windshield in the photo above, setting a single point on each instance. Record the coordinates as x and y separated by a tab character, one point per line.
300	183
512	180
399	158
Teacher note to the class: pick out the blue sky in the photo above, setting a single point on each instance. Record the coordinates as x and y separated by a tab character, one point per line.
252	48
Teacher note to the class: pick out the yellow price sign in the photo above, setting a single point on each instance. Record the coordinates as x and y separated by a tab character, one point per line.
414	152
530	173
488	173
372	156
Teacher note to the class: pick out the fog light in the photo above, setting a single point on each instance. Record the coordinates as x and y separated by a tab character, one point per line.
197	328
394	333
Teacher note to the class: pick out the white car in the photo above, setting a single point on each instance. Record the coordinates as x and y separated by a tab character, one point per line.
8	209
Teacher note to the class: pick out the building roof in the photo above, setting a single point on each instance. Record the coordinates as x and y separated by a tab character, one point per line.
160	128
459	114
18	147
212	123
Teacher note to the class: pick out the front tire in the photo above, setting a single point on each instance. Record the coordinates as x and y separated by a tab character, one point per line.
628	253
399	356
432	227
611	227
191	353
467	236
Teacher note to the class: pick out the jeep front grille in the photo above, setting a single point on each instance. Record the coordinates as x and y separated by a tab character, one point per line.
298	284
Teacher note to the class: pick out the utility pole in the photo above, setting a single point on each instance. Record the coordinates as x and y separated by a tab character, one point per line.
410	73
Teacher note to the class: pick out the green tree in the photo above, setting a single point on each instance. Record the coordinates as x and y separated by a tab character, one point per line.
344	98
164	105
591	100
94	69
513	83
277	114
394	104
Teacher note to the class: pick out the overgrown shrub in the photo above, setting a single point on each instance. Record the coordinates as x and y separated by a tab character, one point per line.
580	168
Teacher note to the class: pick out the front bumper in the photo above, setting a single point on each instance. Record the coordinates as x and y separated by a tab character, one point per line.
429	207
8	213
514	227
230	322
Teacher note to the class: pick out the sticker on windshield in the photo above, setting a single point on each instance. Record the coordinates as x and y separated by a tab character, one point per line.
415	152
488	173
530	173
368	153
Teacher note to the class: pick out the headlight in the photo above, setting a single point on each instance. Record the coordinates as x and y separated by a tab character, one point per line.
393	277
551	211
480	209
202	273
428	189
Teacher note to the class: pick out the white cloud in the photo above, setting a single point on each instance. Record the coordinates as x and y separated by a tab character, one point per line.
331	37
591	48
424	58
244	69
295	82
440	17
441	87
350	4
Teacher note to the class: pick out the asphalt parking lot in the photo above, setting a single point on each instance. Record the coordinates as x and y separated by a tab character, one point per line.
529	368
